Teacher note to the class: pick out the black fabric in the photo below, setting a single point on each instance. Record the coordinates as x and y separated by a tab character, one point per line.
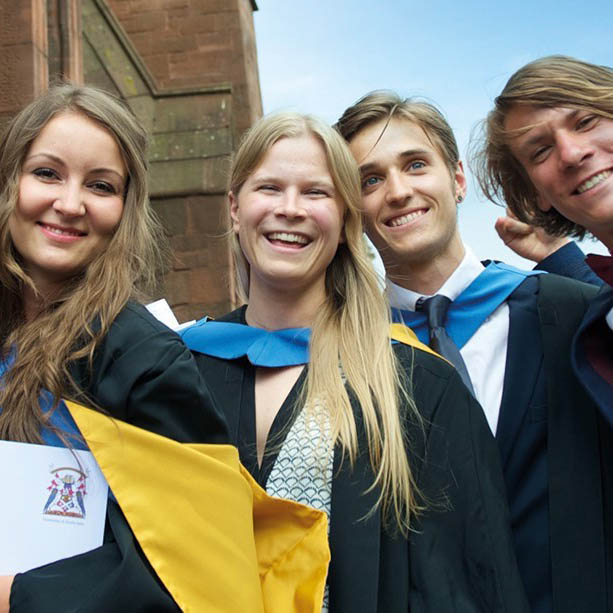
569	261
522	439
142	374
460	555
594	323
436	309
580	455
556	452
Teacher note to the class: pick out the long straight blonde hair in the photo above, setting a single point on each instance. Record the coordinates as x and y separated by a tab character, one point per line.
71	325
350	334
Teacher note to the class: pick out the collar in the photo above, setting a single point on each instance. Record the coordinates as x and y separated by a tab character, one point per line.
467	271
230	340
602	265
473	306
267	348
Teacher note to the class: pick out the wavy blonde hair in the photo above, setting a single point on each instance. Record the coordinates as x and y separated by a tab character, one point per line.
553	81
350	334
70	325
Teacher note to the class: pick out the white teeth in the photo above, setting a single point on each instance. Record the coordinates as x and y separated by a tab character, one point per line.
399	221
288	237
62	232
594	181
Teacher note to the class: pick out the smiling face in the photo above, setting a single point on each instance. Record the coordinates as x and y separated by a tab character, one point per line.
289	218
408	198
568	155
70	200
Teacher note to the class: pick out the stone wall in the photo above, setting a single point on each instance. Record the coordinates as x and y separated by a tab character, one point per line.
188	69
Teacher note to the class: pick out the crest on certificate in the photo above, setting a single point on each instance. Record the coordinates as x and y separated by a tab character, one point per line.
67	491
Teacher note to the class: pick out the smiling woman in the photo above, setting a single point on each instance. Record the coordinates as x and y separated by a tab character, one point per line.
79	244
326	411
71	193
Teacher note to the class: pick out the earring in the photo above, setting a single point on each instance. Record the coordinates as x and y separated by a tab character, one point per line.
459	198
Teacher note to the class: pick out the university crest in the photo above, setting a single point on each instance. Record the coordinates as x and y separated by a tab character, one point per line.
67	492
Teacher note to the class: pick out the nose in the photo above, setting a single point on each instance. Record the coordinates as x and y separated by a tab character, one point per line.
399	188
69	202
573	148
290	205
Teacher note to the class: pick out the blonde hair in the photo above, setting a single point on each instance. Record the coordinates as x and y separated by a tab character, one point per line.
350	335
554	81
71	325
385	104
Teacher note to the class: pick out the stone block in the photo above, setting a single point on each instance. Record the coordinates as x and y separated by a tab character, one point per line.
177	285
194	112
182	177
151	21
17	77
213	6
189	145
207	215
16	19
172	213
199	23
208	285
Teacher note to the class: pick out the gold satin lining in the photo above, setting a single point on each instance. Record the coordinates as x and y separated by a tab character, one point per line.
217	541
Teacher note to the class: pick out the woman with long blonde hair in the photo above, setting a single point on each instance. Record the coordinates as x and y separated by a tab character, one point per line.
79	245
327	411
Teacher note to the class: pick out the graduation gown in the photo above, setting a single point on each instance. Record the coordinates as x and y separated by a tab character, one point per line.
459	557
144	375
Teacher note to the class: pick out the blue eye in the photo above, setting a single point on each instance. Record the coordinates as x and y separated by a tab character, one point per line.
417	165
370	182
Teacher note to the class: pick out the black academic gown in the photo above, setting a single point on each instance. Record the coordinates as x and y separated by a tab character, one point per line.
557	453
142	374
459	558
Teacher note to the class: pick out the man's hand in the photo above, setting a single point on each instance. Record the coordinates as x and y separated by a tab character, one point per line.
528	241
6	582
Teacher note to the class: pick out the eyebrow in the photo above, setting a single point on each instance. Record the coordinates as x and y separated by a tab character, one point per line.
536	138
276	179
409	153
58	160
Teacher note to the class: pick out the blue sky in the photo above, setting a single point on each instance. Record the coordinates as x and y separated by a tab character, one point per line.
320	56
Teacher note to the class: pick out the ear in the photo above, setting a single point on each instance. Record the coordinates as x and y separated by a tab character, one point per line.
233	201
459	182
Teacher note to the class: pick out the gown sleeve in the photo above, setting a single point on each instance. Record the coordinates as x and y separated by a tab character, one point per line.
461	552
142	374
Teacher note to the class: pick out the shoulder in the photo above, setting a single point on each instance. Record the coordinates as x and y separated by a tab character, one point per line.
135	341
430	380
563	301
135	327
134	319
566	289
431	365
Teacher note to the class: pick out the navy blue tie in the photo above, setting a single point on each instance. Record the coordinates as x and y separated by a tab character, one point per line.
436	309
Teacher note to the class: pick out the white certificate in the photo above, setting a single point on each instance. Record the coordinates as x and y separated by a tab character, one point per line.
53	505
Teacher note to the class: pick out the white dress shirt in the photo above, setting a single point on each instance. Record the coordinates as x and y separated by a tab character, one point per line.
485	352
